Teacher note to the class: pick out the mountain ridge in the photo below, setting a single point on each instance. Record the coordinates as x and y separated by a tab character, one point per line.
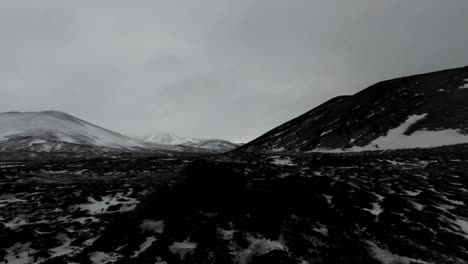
213	144
48	131
344	122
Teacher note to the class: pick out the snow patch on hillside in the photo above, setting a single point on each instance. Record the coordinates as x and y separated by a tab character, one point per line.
464	86
396	138
286	161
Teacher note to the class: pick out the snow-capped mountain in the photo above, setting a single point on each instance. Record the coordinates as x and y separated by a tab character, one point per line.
48	131
218	145
166	138
420	111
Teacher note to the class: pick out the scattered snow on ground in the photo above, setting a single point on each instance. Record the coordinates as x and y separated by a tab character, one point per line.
465	85
278	149
376	209
154	226
259	247
101	206
226	234
456	202
412	193
322	230
9	165
15	223
65	248
10	199
99	257
387	257
90	241
326	132
416	205
396	139
127	207
144	246
463	225
282	161
20	253
84	220
182	248
397	163
328	197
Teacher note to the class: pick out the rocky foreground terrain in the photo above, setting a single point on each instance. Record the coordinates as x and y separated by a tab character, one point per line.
405	206
59	207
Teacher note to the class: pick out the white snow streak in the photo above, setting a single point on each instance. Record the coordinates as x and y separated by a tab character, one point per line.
464	86
182	248
103	257
100	207
387	257
282	161
396	139
144	246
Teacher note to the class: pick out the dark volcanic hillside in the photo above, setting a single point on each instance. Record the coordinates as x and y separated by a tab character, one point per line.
423	107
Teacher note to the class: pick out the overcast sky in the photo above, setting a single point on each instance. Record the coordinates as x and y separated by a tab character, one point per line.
229	69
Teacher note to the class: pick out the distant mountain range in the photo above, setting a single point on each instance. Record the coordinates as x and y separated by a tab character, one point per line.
165	138
173	139
54	131
420	111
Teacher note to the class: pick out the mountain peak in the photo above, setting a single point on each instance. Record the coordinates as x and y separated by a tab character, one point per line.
169	138
22	128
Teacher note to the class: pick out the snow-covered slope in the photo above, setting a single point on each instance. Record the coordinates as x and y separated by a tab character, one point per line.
420	111
397	139
50	130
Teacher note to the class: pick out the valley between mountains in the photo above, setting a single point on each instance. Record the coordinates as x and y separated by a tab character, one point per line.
376	177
